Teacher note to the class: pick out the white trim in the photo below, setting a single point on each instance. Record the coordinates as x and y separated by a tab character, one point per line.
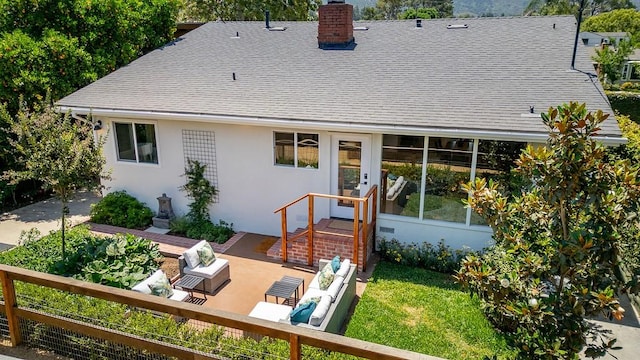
325	125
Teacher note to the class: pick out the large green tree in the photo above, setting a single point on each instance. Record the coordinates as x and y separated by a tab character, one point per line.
399	9
58	150
58	46
568	7
245	10
610	60
556	259
622	20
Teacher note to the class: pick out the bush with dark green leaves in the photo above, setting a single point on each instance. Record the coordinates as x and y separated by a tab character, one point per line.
440	257
121	209
202	230
625	103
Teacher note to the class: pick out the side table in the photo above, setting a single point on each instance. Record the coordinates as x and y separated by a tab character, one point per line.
189	282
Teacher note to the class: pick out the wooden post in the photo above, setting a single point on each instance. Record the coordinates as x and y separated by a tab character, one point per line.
365	232
9	293
295	351
284	234
310	232
356	233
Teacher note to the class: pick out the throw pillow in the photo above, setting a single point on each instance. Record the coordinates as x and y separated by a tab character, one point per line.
206	255
325	278
335	263
161	287
302	312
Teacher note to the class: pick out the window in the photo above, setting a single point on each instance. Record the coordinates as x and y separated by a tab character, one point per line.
448	166
136	142
402	158
296	149
425	183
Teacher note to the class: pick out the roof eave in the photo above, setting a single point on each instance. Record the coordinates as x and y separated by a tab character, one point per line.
323	125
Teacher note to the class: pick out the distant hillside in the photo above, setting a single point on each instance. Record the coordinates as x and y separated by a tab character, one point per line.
495	7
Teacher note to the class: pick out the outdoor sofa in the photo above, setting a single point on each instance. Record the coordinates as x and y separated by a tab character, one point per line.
330	312
144	286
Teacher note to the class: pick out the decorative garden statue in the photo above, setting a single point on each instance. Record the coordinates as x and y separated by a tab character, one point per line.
165	212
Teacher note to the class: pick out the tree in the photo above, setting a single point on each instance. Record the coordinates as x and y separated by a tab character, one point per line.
610	60
246	10
557	245
57	150
569	7
420	13
623	20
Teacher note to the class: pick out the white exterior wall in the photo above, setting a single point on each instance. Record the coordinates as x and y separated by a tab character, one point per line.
250	187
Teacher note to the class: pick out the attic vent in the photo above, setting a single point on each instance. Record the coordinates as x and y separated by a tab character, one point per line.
388	230
360	28
418	23
457	26
277	28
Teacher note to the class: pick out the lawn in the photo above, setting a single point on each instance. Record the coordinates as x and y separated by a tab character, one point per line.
423	311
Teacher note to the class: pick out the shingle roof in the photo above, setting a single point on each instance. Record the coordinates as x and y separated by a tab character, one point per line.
481	78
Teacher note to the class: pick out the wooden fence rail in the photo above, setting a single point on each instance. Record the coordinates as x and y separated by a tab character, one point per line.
295	336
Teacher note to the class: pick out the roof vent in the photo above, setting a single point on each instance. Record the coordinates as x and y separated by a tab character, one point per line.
418	23
457	26
360	28
266	19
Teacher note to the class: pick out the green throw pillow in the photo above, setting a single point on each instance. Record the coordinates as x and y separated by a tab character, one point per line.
326	277
161	287
302	312
207	257
335	263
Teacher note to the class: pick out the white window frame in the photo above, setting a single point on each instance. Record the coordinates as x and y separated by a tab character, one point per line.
132	125
295	149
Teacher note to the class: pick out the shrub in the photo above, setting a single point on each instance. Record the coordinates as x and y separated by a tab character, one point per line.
625	103
203	230
438	258
121	209
556	258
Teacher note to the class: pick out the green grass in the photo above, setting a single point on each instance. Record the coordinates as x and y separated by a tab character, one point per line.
426	312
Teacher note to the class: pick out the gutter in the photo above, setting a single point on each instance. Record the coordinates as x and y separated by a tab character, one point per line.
323	125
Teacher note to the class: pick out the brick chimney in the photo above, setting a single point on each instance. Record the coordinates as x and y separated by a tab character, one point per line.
335	25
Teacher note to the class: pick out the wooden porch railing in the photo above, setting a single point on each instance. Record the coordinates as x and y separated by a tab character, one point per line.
369	218
295	336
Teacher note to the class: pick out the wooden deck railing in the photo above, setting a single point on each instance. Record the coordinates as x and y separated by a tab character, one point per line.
369	218
295	336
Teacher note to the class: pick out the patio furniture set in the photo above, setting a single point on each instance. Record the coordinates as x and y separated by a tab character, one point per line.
323	306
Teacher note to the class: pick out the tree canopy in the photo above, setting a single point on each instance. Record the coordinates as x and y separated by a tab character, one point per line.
58	46
56	149
556	258
567	7
247	10
408	9
621	20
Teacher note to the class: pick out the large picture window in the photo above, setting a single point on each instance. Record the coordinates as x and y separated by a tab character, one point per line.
424	182
136	142
296	149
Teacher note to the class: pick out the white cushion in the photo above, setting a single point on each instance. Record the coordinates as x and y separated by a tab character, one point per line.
321	311
314	282
191	255
311	293
270	311
207	272
179	295
334	288
143	286
344	268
